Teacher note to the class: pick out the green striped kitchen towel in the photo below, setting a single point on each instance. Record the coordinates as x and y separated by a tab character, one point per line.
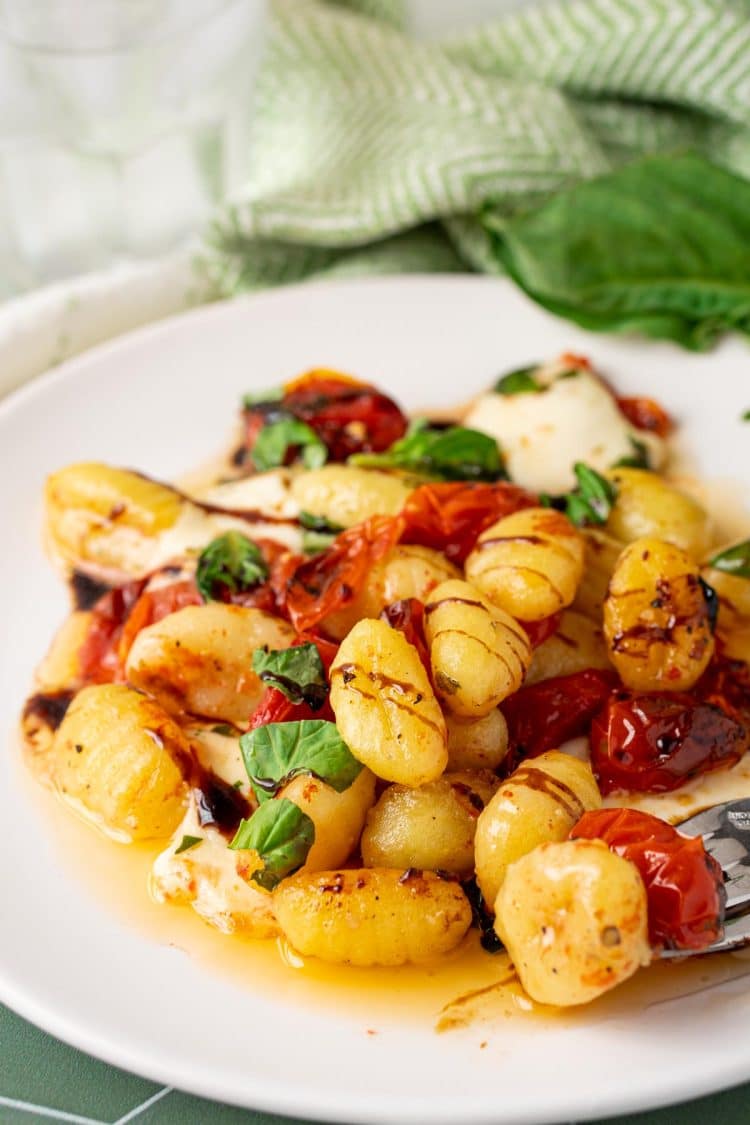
504	148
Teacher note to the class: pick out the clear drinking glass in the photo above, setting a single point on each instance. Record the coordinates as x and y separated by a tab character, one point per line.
122	124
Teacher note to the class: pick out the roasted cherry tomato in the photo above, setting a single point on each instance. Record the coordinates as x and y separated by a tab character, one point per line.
542	716
407	616
99	656
654	743
684	884
450	517
317	586
540	631
646	414
727	684
348	416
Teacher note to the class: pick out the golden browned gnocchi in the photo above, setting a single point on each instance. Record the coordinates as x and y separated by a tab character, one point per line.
385	707
658	618
479	654
648	506
345	495
199	660
431	827
733	623
601	553
338	817
372	916
577	644
529	564
477	744
118	758
539	802
574	919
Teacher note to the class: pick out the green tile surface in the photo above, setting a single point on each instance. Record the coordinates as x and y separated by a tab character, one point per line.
43	1080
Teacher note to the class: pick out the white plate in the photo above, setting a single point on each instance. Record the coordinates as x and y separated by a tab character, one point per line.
162	399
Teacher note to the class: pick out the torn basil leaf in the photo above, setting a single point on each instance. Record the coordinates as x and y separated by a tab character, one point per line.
230	563
745	417
519	382
735	560
259	398
278	752
282	835
318	532
297	672
286	432
589	505
638	459
450	453
188	842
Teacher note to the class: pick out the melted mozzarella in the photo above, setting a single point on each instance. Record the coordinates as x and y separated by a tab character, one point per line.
543	434
205	877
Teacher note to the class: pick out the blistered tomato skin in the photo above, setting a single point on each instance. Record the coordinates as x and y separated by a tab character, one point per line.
684	885
450	517
655	743
542	716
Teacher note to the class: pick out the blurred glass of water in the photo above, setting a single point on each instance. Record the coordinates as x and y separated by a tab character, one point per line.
122	124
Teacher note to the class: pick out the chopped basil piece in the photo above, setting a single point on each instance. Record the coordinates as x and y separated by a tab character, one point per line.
238	784
297	672
318	523
638	459
519	382
735	560
187	843
232	562
259	398
282	835
287	432
745	416
278	752
226	729
452	453
590	503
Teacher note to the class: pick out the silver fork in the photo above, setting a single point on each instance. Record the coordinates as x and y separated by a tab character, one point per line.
726	835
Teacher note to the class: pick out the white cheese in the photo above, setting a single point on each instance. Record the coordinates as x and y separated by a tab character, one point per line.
543	434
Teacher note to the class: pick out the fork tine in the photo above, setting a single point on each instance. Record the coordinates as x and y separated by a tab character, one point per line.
733	815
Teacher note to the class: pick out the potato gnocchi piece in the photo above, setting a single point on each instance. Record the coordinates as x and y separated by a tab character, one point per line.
432	827
478	744
385	707
529	563
539	803
205	876
118	758
111	517
733	625
657	618
346	495
479	654
601	553
574	921
199	659
404	572
648	505
372	916
577	644
338	817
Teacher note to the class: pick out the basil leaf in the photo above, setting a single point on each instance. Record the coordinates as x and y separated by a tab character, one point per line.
454	453
297	672
590	503
260	398
735	560
282	835
519	382
225	729
318	523
231	562
638	459
745	416
284	433
278	752
659	246
188	842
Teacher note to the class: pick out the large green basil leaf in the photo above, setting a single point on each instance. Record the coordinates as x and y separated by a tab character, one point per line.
278	752
282	835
